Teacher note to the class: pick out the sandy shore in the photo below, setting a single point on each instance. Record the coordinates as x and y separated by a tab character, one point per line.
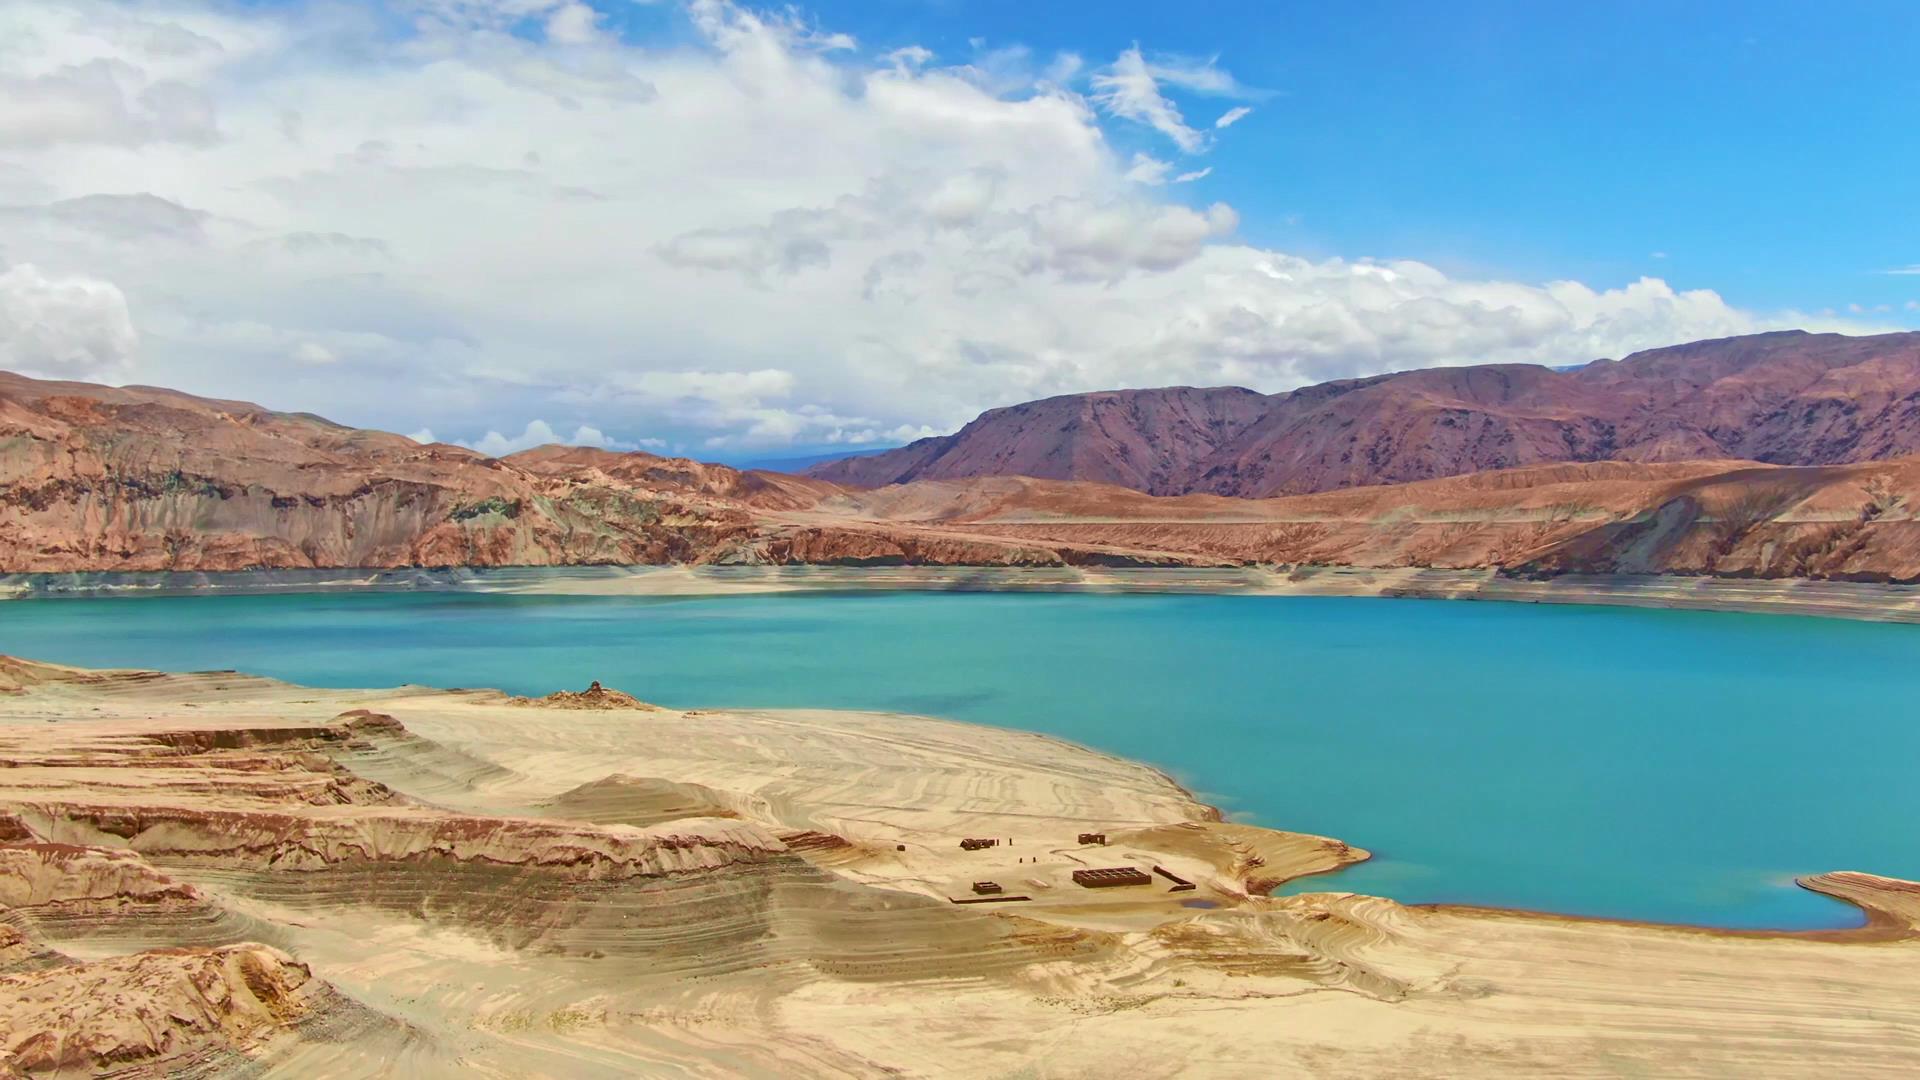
1871	601
227	873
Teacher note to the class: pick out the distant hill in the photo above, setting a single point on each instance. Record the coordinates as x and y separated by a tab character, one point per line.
1783	398
807	461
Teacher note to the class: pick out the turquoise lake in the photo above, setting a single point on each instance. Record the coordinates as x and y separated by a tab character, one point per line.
1657	765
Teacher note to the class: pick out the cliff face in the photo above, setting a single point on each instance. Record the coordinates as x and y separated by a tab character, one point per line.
141	479
1784	398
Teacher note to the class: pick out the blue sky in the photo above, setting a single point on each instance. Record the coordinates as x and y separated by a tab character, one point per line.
732	229
1769	150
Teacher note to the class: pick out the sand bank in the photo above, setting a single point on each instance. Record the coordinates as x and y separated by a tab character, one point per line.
425	882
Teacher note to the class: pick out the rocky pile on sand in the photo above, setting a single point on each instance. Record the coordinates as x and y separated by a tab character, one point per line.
594	696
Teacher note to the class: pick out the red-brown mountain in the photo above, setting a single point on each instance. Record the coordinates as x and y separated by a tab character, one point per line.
1784	398
98	478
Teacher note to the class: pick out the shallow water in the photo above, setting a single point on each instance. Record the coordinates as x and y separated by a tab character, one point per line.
1657	765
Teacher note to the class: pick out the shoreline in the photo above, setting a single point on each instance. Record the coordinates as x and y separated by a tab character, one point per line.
465	880
1879	923
1864	601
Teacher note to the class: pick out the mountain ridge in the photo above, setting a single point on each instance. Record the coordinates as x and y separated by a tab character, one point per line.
96	478
1782	397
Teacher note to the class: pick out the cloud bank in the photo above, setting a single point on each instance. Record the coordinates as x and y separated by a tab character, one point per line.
475	217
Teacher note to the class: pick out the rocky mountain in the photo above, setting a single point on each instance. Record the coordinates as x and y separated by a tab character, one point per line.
140	478
1148	440
1735	519
1785	398
97	478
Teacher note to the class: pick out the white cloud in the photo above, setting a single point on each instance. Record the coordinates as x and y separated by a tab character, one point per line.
1905	270
63	327
101	102
537	433
1232	116
313	354
136	217
748	234
1149	170
1129	89
573	24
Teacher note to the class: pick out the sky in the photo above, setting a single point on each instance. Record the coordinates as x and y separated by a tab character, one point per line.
738	232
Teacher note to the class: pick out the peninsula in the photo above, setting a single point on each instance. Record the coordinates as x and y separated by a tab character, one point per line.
212	871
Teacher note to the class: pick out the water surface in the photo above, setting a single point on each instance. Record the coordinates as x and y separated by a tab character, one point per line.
1658	765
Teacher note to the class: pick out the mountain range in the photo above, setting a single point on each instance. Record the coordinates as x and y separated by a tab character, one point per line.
1775	456
1790	398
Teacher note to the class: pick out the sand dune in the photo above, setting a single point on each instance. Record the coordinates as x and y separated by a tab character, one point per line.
216	873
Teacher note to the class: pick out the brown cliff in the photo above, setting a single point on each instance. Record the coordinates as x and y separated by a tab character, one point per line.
1788	398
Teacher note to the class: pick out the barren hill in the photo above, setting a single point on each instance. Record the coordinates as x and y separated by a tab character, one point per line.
1788	398
95	478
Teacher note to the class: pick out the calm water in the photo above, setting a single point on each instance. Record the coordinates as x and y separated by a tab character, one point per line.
1669	766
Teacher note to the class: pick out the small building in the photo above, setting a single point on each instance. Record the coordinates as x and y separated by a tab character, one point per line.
1111	877
975	843
987	888
1094	838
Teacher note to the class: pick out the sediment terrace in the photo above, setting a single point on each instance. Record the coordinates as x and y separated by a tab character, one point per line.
212	874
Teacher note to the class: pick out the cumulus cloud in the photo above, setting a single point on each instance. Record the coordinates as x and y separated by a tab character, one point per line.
573	24
63	327
537	433
101	102
510	210
1077	238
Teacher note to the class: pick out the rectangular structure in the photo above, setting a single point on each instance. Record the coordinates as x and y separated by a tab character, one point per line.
1093	838
1109	877
1180	884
